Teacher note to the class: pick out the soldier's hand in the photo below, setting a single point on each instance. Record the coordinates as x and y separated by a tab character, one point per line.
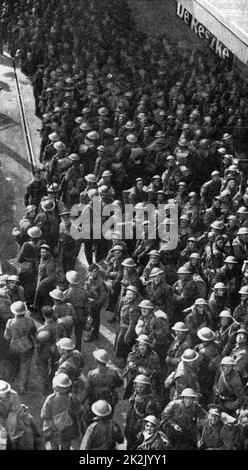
177	428
199	444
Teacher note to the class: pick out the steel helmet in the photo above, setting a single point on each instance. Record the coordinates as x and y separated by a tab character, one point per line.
101	356
155	272
18	308
244	290
242	210
217	225
183	270
205	334
72	277
101	408
66	343
129	262
102	111
154	253
117	248
62	380
34	232
47	205
188	393
201	301
57	294
227	361
4	387
106	173
219	285
189	355
131	138
90	178
153	420
194	256
225	314
143	339
242	231
179	326
132	289
142	379
43	336
93	135
231	259
146	304
129	125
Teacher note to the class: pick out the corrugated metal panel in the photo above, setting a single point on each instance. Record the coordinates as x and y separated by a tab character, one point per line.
231	40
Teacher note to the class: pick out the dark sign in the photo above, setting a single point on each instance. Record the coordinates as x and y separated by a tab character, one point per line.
202	32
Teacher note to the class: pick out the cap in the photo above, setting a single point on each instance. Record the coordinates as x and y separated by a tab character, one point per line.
131	138
90	178
74	157
219	285
244	290
4	387
225	314
227	361
242	231
188	393
155	272
93	135
153	420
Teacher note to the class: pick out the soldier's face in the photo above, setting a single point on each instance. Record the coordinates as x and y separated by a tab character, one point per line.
145	312
213	419
241	338
140	388
150	428
220	292
143	348
188	401
227	369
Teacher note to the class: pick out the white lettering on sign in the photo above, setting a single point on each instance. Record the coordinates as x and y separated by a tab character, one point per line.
217	46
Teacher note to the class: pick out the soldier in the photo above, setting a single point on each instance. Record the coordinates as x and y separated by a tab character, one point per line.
142	403
101	383
36	190
25	223
68	247
154	323
142	360
20	332
129	315
97	290
15	418
114	275
48	222
62	415
15	291
240	313
228	389
154	262
181	342
46	276
153	437
240	245
78	297
186	374
211	431
158	290
240	354
198	317
217	302
184	291
103	433
71	361
63	311
180	420
46	352
208	361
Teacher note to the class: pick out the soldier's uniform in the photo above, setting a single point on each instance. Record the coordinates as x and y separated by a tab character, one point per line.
78	297
126	334
46	351
185	377
35	191
229	392
175	351
209	360
150	364
21	332
101	385
71	364
141	405
240	355
186	417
